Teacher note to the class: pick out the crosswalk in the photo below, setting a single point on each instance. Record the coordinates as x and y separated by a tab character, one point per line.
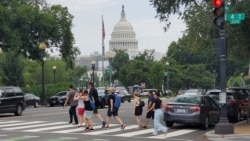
65	128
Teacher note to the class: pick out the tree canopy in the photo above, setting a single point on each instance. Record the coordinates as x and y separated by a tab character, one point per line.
26	23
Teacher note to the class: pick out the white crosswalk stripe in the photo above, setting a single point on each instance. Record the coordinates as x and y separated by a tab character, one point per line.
64	127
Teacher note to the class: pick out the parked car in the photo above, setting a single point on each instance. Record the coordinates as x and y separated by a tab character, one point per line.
32	100
103	97
124	95
193	92
11	100
234	102
58	99
192	109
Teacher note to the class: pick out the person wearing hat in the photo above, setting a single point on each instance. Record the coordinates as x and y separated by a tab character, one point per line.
137	109
112	110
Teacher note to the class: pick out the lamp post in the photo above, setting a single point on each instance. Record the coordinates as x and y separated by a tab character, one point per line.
110	57
215	75
93	71
54	72
167	75
42	47
81	83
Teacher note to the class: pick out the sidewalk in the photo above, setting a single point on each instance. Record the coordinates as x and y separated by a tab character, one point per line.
241	131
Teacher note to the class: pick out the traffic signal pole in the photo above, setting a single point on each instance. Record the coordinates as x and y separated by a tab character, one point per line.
223	127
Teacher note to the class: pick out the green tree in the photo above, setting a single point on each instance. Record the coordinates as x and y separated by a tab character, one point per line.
120	59
26	23
12	68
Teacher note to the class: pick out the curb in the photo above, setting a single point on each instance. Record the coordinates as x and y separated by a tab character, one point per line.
211	134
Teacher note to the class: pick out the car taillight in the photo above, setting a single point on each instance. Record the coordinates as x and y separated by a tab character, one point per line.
232	101
195	108
168	107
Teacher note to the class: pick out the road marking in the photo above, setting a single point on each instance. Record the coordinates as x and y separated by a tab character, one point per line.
32	126
23	123
172	134
4	122
140	132
62	139
49	128
110	130
81	129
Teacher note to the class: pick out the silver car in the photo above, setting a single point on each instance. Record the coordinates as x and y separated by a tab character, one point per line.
192	109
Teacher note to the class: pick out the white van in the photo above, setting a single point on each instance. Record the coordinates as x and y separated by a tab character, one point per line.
145	91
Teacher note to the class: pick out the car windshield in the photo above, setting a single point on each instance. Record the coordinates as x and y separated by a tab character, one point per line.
187	99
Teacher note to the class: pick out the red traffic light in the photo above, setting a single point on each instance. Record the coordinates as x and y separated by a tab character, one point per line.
217	3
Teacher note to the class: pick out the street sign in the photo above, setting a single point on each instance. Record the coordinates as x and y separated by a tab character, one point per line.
235	16
235	21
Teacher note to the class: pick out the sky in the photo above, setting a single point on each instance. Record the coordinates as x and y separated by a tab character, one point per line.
87	24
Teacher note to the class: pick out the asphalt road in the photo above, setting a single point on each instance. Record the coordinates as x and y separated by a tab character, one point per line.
51	124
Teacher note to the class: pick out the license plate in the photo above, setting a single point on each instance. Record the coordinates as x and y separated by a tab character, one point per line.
180	111
54	101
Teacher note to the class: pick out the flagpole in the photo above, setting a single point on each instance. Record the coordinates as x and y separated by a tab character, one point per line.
103	50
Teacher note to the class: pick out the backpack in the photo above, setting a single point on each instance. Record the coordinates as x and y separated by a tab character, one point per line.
142	103
92	103
117	102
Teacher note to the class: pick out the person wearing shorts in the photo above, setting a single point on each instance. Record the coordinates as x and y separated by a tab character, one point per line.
88	113
150	113
80	107
112	110
94	94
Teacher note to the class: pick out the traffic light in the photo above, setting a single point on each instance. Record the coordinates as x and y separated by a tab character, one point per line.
219	12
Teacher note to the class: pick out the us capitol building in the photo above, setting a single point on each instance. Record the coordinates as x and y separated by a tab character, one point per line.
123	37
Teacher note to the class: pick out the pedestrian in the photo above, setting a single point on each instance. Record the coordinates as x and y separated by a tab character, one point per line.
94	94
137	109
80	107
150	113
88	114
158	114
72	110
112	110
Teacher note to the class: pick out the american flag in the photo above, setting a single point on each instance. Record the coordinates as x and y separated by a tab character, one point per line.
103	30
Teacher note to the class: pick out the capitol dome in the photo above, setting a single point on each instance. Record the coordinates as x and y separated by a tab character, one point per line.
123	35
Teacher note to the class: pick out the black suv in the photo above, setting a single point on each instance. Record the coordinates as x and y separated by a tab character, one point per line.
57	99
235	107
11	100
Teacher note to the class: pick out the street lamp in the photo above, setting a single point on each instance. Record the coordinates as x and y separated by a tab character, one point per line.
54	72
42	47
81	83
215	75
93	71
110	57
167	76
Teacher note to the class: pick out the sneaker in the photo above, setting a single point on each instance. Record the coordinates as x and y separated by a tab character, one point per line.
86	129
103	124
123	127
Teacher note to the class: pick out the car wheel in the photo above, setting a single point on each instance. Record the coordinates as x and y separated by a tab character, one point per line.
102	104
51	105
237	117
169	124
205	124
122	100
129	100
19	110
36	104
